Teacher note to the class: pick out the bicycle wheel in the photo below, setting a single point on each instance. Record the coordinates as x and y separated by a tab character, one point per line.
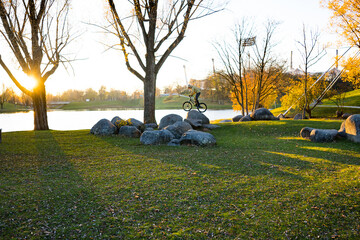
187	106
202	107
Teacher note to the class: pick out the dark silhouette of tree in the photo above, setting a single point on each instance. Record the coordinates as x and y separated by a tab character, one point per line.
36	32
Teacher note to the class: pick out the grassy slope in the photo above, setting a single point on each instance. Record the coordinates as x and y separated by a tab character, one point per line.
352	98
9	107
261	181
170	102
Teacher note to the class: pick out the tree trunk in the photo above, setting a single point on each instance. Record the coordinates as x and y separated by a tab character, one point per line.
40	109
305	94
149	97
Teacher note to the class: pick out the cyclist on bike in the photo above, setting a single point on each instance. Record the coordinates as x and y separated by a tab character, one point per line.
195	90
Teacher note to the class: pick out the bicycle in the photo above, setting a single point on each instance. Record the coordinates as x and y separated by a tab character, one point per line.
188	105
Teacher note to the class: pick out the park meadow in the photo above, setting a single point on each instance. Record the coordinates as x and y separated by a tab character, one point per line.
261	181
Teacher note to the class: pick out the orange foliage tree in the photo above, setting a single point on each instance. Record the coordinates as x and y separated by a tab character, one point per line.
345	18
352	71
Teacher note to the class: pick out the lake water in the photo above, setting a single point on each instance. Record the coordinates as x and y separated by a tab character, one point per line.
75	120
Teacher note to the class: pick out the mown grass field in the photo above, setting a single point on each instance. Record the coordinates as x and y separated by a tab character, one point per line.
168	102
352	98
9	108
261	181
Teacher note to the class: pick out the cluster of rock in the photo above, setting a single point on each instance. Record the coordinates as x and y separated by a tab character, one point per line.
259	114
350	129
172	130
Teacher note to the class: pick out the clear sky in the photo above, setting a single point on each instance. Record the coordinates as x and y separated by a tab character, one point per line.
99	67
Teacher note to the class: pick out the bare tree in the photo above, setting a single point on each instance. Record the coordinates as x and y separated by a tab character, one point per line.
267	69
310	55
3	96
157	25
36	32
233	58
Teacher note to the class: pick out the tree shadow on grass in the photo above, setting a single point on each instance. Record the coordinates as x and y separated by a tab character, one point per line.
48	198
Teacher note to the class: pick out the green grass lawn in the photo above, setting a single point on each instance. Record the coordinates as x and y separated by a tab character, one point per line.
261	181
9	107
168	102
352	98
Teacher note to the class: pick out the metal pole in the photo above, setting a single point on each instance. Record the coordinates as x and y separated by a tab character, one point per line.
185	76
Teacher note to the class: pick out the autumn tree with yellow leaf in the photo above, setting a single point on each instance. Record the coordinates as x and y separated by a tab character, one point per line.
345	18
346	21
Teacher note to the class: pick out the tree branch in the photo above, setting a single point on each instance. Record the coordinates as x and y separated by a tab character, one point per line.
23	89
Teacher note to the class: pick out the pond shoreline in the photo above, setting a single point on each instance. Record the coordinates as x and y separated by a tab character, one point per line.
85	119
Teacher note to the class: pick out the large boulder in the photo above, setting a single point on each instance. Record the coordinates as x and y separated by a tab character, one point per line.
169	119
156	137
262	114
237	118
129	131
115	120
197	138
103	127
195	123
138	124
323	135
351	128
174	143
346	115
193	114
305	132
246	118
151	125
179	128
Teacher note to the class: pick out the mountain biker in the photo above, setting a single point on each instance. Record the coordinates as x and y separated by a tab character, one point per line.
195	90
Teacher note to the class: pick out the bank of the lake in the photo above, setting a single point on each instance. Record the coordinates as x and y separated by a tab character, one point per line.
261	181
76	120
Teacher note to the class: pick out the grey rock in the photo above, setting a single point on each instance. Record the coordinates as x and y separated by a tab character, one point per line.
168	120
156	137
151	125
179	128
129	131
116	118
174	143
305	132
246	118
352	128
195	123
197	138
323	135
193	114
262	114
138	124
237	118
103	127
346	115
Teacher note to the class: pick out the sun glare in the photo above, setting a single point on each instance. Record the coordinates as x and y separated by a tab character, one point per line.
29	82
